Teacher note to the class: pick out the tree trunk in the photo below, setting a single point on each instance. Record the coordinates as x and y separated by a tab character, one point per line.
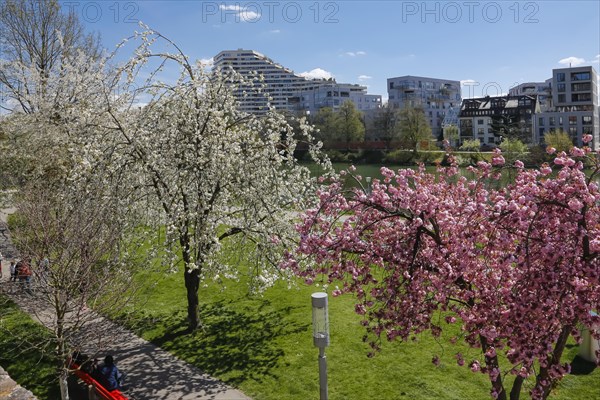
492	363
64	387
515	392
544	381
192	284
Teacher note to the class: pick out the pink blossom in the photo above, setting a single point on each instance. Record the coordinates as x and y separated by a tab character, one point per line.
577	152
515	265
587	138
498	160
550	150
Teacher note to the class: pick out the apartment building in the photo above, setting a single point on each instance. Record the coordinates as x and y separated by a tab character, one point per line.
435	96
277	85
282	89
543	90
490	119
332	94
574	105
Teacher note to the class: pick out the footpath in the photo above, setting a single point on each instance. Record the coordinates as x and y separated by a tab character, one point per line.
152	373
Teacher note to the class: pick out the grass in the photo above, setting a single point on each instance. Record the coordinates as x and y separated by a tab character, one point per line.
263	346
24	353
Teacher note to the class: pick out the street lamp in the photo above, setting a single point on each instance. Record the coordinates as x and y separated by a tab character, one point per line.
320	319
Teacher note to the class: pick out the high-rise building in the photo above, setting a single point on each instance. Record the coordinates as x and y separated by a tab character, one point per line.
278	83
282	89
434	96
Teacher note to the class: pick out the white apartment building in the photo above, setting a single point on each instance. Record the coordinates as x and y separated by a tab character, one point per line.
333	95
435	96
279	82
282	89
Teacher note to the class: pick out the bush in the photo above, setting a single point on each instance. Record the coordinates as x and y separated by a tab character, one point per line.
400	157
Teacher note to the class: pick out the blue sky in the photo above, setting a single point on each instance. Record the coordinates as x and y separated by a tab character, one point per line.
494	45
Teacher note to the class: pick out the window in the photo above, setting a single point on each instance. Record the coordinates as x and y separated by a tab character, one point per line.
578	87
573	132
586	119
562	98
481	131
561	87
581	97
560	121
541	121
479	122
572	120
580	76
560	77
391	85
551	121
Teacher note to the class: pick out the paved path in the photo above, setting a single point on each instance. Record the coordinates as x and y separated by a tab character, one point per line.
152	373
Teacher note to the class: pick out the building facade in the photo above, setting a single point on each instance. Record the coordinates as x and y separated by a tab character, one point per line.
573	105
256	95
490	119
434	96
280	88
331	94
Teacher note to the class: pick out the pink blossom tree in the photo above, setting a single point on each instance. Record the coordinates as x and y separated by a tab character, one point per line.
516	268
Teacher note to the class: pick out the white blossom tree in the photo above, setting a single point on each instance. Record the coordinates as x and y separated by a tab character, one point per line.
214	172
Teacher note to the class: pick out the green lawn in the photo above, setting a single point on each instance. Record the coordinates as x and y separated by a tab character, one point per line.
263	346
25	353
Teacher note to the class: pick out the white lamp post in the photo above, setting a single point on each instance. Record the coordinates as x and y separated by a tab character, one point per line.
320	319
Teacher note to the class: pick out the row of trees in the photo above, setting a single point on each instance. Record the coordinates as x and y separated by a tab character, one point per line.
407	127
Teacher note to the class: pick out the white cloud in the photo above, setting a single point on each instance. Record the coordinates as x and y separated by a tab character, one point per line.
243	13
596	59
317	73
207	61
364	77
572	61
275	31
355	53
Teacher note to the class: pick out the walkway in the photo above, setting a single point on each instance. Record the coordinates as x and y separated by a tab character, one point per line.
152	373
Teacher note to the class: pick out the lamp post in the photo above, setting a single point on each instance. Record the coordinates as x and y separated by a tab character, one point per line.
320	319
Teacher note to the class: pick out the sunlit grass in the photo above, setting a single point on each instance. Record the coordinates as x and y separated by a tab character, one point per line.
263	345
25	352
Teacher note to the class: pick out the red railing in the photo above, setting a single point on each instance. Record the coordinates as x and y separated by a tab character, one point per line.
101	391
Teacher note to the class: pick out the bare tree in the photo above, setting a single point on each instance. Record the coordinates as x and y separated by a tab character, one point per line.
36	36
72	237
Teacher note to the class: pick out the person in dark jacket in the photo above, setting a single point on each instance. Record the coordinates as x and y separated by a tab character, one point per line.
110	374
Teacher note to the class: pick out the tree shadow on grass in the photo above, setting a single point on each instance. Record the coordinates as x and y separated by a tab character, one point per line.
579	366
26	351
237	345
